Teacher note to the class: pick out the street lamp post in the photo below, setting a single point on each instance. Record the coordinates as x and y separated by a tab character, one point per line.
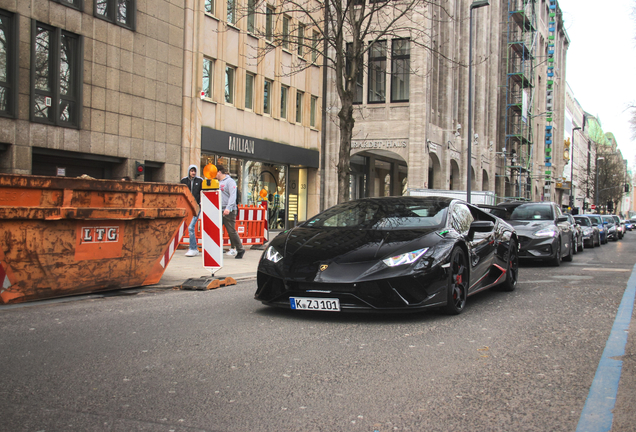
596	188
476	4
572	202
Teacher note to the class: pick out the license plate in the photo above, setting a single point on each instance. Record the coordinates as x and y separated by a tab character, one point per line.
317	304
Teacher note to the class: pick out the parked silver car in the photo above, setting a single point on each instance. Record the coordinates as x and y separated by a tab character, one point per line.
591	233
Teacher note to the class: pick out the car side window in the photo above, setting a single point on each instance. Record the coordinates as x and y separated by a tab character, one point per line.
461	218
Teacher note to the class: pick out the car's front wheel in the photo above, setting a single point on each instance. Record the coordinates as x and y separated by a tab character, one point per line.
512	272
457	283
556	259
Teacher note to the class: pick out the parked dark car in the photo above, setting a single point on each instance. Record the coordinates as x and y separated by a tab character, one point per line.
578	234
620	227
602	228
612	231
390	254
591	233
544	232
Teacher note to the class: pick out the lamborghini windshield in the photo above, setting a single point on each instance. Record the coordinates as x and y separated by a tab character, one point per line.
384	213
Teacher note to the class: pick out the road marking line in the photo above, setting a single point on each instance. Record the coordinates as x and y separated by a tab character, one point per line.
606	269
597	413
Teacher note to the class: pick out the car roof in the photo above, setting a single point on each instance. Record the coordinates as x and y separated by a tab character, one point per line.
514	204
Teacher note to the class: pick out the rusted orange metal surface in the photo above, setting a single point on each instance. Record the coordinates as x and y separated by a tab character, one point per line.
61	236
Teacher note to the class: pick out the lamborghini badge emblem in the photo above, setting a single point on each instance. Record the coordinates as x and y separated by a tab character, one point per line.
323	267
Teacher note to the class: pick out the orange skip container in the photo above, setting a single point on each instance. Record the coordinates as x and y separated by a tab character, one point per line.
61	236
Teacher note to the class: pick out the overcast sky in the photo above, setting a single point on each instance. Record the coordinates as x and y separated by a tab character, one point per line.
601	63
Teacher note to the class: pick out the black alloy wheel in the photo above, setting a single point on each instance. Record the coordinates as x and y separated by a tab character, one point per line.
556	260
569	256
457	282
512	273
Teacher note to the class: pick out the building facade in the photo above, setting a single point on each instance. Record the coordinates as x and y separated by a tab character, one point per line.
91	88
254	106
417	138
578	178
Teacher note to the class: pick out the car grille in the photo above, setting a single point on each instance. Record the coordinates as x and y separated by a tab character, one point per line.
524	241
387	293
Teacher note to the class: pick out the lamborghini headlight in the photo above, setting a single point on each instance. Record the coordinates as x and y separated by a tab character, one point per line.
273	255
405	258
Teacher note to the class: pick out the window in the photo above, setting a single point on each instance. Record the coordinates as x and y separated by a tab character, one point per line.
283	101
314	46
229	84
400	70
299	107
75	4
357	97
56	76
269	23
209	7
251	15
267	97
120	12
8	64
208	74
312	114
249	91
301	40
377	72
285	32
461	218
231	12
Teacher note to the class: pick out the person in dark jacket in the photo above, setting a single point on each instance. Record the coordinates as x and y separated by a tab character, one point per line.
194	183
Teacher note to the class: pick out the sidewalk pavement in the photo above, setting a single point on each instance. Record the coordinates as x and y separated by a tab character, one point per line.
181	268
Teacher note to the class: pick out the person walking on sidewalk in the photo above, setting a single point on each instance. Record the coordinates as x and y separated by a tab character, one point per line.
194	183
228	204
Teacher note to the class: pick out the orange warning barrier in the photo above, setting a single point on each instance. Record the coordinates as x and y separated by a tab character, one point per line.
251	227
61	236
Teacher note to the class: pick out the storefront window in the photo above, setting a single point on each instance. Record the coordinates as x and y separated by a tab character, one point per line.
257	182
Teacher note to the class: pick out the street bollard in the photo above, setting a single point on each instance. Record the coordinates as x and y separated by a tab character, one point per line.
211	234
211	221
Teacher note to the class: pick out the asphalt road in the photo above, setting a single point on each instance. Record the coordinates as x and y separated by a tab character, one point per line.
220	361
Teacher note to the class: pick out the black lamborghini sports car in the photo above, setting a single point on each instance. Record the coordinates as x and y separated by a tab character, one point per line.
390	254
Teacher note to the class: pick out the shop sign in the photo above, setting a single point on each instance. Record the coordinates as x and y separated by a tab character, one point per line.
242	145
379	144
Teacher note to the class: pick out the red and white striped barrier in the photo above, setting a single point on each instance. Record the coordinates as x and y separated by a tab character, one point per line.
172	247
249	225
4	280
212	229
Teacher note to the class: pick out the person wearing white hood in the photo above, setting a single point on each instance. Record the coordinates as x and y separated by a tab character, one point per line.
194	183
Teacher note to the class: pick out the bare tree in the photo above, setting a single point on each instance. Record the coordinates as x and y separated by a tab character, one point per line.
611	177
342	33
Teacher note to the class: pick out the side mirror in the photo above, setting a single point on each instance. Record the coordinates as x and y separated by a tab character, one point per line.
562	219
